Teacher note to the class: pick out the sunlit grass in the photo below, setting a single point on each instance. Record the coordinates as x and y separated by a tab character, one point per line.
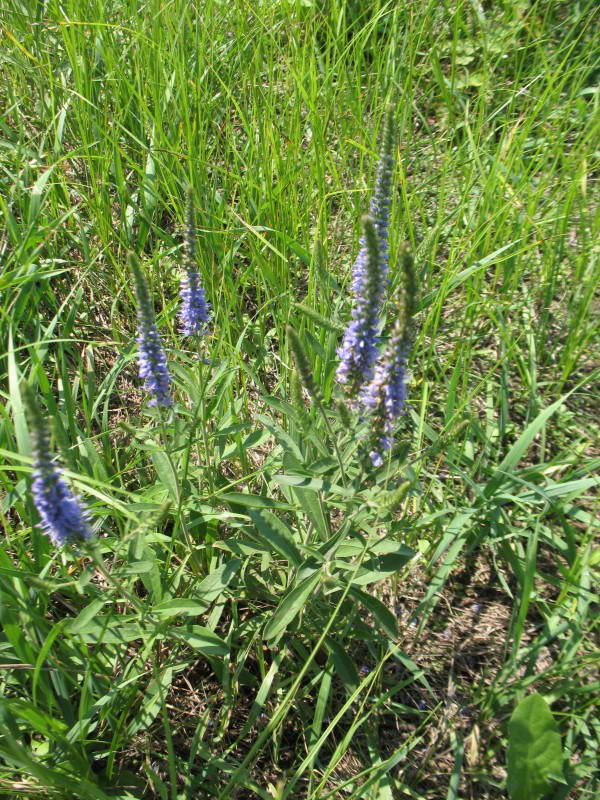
271	112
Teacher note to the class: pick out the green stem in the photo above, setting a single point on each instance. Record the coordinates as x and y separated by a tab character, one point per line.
179	498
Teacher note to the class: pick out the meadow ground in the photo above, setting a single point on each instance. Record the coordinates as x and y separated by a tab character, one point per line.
259	614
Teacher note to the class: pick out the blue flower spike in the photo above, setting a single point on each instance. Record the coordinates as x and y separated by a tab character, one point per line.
151	355
379	208
360	346
194	314
385	397
63	518
359	349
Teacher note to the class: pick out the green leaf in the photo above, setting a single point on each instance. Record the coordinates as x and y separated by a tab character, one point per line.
211	587
164	470
534	749
316	484
103	629
283	438
376	546
140	552
38	719
89	613
309	500
291	606
18	410
135	568
377	568
180	605
37	190
253	501
272	530
381	613
201	639
520	447
343	664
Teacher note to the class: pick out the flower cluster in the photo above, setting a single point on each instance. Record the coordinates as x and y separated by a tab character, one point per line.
151	356
379	209
377	382
360	347
194	314
63	518
385	396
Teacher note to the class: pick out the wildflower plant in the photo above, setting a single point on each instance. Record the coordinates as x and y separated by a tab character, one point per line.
194	314
250	542
385	397
360	347
64	518
335	501
151	355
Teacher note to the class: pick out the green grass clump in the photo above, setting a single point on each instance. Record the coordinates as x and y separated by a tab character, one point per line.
260	614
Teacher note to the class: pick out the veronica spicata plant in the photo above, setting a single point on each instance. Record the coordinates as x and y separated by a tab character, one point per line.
360	347
151	355
385	396
344	536
194	314
63	517
359	350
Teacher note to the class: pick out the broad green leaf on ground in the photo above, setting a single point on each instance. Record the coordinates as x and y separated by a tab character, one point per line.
316	484
276	533
216	581
534	749
201	639
344	666
381	614
180	605
164	470
252	501
291	606
377	568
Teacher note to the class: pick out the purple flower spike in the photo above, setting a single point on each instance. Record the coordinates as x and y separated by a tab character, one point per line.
153	364
194	314
379	206
63	518
385	397
359	349
151	356
360	346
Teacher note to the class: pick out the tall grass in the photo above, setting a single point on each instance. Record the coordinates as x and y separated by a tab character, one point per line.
153	667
